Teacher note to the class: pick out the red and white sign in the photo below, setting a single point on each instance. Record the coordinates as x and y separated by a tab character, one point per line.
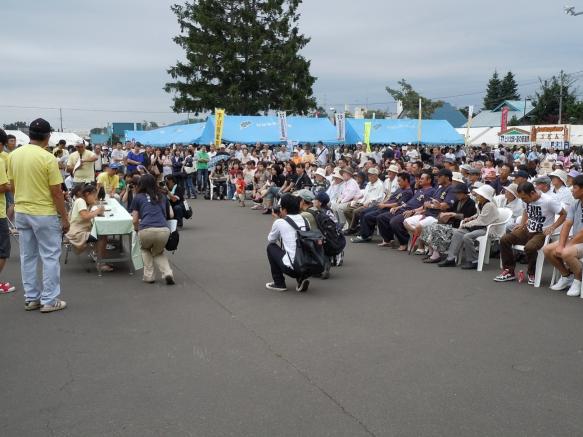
504	122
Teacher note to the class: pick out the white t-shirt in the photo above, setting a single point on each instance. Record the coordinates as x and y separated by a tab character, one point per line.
541	214
284	231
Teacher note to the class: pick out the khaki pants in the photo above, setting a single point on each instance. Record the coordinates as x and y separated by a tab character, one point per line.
532	242
153	241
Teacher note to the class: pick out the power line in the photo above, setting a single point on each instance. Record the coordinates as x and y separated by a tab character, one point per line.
530	82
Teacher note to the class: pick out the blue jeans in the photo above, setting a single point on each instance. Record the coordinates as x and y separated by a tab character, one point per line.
40	237
190	190
203	177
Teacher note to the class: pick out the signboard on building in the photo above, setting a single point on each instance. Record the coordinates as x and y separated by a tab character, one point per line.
556	137
515	136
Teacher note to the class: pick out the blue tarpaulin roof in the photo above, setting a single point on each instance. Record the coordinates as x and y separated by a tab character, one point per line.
265	129
387	131
181	134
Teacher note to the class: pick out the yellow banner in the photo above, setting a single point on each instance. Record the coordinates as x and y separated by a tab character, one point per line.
367	128
219	121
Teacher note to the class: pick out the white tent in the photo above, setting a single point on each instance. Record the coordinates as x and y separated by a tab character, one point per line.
21	137
70	137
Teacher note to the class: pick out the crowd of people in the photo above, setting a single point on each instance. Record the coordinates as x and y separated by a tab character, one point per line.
434	202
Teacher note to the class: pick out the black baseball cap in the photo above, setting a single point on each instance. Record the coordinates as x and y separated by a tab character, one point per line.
520	174
460	188
40	126
445	172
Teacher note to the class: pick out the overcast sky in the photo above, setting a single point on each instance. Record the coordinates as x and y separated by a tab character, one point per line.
113	55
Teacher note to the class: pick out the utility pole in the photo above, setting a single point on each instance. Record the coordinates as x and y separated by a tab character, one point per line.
61	117
561	100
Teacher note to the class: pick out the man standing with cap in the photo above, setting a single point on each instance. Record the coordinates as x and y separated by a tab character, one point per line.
81	164
35	176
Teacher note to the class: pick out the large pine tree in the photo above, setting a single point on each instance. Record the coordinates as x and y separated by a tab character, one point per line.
509	88
492	98
242	56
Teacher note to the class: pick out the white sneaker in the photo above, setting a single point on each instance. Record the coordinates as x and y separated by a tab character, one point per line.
562	283
575	289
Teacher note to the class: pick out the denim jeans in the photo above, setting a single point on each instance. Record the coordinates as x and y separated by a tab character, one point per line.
40	237
203	177
190	191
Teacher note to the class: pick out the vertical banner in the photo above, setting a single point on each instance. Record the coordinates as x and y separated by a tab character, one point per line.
399	108
367	128
340	126
282	119
419	123
469	124
219	122
504	121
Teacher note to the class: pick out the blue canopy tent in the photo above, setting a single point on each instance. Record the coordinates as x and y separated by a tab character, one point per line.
387	131
265	129
180	134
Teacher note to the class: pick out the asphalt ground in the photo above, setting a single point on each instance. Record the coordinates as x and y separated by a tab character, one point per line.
387	347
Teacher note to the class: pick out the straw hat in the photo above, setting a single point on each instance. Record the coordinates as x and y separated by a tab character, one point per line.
337	174
393	168
486	191
457	177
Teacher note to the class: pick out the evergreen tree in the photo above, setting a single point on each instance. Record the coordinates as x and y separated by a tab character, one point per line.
547	100
493	91
508	88
242	56
410	99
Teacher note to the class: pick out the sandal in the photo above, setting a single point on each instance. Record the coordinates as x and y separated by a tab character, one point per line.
105	268
384	244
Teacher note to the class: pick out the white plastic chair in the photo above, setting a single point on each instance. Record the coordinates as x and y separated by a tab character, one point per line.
540	258
492	232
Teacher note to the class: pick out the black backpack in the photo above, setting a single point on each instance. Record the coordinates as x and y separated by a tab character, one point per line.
334	240
310	258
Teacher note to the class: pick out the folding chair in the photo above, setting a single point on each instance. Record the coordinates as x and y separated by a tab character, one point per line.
485	241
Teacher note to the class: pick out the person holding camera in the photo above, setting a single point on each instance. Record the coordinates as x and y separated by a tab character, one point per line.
281	258
175	194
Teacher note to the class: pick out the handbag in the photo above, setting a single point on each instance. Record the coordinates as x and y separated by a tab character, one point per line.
174	237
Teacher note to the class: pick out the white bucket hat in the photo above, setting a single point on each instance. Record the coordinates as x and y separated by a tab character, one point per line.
321	172
337	174
561	174
393	168
486	191
512	188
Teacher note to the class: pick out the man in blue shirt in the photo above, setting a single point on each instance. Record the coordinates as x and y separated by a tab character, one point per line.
386	209
135	158
393	227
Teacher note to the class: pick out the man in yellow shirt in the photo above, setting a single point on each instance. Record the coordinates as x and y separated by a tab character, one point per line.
109	180
5	287
35	176
81	164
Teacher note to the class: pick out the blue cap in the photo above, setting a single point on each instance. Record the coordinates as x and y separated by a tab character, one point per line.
114	166
323	198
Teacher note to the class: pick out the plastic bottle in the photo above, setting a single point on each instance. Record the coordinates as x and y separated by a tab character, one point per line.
521	276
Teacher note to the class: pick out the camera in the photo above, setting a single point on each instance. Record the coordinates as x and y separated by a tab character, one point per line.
277	210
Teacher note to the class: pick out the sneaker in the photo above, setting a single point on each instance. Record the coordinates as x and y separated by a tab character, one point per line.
562	283
505	276
359	239
273	287
574	289
169	280
303	285
6	287
33	305
531	279
57	306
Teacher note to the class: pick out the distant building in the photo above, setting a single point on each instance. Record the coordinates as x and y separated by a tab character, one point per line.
448	112
518	109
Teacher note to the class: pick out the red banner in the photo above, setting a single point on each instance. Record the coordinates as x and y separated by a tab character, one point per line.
504	122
